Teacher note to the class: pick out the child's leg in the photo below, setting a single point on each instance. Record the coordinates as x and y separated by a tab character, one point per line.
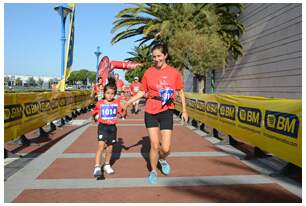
107	168
108	155
100	149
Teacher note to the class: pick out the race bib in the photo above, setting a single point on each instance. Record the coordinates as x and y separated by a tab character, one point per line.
166	94
136	89
108	111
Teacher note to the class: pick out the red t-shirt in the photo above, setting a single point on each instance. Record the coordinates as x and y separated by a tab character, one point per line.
135	87
126	88
122	99
154	81
119	84
108	111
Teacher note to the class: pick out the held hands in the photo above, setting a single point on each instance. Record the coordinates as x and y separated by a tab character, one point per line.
123	113
125	106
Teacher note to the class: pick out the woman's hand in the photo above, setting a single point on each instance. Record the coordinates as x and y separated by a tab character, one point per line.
125	106
185	116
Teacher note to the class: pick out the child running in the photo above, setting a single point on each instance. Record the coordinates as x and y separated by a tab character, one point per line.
106	112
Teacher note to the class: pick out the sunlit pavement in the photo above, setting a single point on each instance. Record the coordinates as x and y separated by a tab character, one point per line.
59	169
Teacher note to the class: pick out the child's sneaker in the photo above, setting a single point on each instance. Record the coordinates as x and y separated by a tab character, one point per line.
108	169
97	172
165	167
153	177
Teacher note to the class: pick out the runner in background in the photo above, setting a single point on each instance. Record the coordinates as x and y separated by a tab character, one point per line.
135	87
161	82
124	97
106	112
96	88
100	92
119	84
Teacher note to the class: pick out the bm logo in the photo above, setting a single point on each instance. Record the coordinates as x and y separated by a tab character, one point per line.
212	108
227	111
201	105
191	103
282	123
12	112
251	116
31	108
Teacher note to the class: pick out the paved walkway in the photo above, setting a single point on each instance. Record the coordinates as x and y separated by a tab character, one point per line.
202	170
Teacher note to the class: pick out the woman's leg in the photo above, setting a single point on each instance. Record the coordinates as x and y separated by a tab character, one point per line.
100	149
165	144
154	141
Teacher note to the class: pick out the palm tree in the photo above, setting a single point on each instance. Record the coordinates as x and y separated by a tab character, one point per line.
231	27
141	55
153	21
199	36
147	20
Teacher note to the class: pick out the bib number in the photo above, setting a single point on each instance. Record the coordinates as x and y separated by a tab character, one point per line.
166	94
108	111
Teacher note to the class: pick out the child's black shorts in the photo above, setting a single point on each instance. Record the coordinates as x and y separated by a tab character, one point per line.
107	133
163	120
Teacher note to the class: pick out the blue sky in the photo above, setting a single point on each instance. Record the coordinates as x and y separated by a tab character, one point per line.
32	37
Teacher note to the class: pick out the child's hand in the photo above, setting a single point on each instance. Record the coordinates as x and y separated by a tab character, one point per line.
123	113
96	117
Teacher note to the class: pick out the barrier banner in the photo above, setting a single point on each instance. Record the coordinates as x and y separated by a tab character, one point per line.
273	125
24	112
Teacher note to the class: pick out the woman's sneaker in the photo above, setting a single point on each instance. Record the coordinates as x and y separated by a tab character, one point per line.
97	172
165	167
108	169
153	177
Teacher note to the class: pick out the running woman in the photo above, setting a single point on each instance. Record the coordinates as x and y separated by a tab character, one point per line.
161	82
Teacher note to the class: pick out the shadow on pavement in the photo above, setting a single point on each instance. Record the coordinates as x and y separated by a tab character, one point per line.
145	149
20	163
117	149
262	193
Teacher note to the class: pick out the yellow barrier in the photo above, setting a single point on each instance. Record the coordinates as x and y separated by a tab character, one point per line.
24	112
273	125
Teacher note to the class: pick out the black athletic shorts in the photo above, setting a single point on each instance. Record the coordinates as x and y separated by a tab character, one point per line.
107	133
163	120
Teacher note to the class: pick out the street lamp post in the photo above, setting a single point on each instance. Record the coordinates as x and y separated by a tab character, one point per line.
63	12
97	53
